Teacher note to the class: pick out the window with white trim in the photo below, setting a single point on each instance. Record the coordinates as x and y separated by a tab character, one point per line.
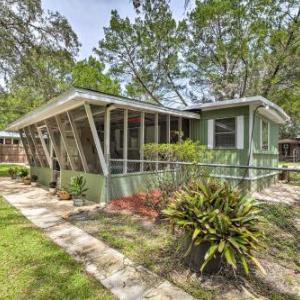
264	135
225	133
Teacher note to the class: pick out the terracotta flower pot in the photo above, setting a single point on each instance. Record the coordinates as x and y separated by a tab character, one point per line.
63	195
26	181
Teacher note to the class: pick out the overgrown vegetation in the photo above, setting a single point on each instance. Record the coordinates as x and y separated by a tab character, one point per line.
156	247
33	267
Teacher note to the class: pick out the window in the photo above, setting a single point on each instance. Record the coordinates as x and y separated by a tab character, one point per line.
1	141
8	142
225	133
16	142
264	135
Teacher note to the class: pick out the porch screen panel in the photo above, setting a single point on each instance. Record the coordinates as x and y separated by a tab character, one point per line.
162	138
98	115
150	138
185	128
25	141
133	141
62	154
174	128
39	147
116	140
80	120
32	148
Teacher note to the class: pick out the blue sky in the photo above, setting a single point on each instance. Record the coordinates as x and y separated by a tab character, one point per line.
88	17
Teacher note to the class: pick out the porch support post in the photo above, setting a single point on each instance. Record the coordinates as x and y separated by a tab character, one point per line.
168	135
180	129
168	129
78	142
142	140
64	140
44	145
53	143
96	138
107	151
25	145
156	136
34	144
125	141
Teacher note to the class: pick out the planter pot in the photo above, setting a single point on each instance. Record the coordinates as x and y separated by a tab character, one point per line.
27	181
52	191
195	258
34	183
78	202
63	195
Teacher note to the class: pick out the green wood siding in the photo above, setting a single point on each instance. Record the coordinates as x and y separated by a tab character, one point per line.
224	156
44	174
95	184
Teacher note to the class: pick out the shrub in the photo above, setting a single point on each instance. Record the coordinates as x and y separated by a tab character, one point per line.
34	178
23	172
174	176
13	171
78	186
213	212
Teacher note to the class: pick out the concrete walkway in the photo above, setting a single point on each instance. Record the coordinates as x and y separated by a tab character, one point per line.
117	273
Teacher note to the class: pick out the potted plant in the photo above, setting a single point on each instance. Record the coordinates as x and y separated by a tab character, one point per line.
34	179
27	180
13	172
52	187
77	189
219	223
23	172
64	195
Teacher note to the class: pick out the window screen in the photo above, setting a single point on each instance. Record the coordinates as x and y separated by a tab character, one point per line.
225	130
264	135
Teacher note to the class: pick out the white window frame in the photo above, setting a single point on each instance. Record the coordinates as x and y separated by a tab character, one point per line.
261	134
235	134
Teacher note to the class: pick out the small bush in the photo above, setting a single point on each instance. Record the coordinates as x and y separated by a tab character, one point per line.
34	178
211	211
78	186
23	172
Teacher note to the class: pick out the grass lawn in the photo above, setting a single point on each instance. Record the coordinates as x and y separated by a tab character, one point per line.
155	247
4	169
33	267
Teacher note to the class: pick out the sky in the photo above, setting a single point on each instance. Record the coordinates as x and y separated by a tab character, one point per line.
88	17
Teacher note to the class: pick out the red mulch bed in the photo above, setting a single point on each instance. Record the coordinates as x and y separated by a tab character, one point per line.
137	204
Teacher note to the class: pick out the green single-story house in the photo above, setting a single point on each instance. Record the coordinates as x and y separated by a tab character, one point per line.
102	136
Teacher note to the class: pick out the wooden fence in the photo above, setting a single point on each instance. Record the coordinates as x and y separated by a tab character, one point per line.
12	154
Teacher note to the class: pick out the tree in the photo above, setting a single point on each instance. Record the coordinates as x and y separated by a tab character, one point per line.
25	29
145	53
88	73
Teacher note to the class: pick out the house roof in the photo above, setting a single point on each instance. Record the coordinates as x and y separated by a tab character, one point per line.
77	96
269	109
9	134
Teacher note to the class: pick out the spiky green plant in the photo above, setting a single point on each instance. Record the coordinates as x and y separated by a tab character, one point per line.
78	186
213	212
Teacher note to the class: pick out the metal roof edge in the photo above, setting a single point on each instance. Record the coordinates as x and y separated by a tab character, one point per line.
65	102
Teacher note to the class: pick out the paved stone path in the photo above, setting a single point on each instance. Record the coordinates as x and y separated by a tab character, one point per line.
117	273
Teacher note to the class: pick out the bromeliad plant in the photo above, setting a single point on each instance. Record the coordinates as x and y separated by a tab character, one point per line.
215	213
78	186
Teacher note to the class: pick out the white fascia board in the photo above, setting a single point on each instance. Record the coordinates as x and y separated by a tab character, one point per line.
99	98
76	97
272	110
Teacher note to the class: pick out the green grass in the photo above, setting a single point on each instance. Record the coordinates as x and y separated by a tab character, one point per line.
4	169
282	237
33	267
